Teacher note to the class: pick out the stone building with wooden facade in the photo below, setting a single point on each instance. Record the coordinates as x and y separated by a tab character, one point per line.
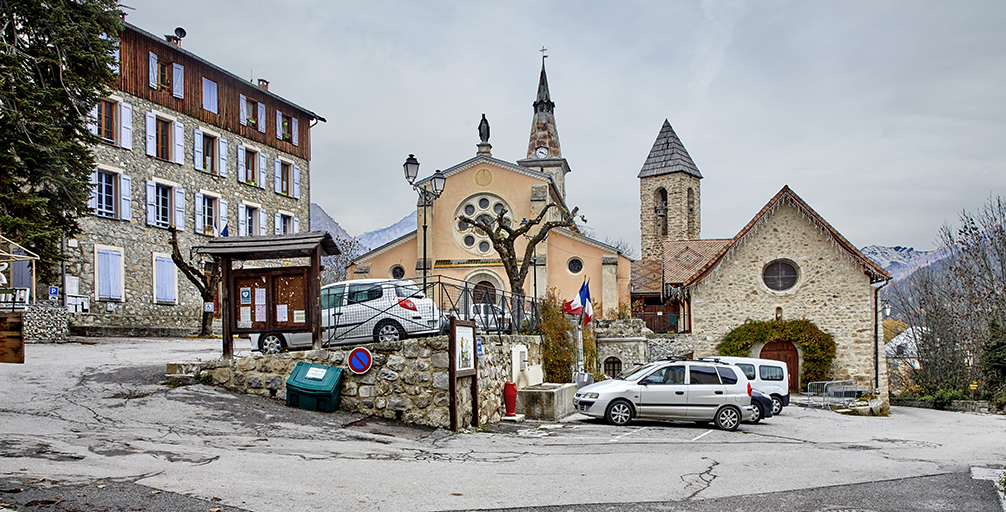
189	145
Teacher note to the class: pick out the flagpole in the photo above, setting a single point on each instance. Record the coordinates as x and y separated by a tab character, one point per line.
579	342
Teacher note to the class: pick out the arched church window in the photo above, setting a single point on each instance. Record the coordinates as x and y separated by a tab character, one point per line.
485	208
660	210
692	231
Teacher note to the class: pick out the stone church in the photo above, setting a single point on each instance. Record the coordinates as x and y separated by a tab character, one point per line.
484	185
787	263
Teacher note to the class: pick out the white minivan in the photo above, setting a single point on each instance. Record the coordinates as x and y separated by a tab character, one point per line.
769	376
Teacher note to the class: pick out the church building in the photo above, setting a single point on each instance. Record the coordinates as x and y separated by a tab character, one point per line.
786	263
485	185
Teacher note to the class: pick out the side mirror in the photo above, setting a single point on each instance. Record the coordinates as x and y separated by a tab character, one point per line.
645	382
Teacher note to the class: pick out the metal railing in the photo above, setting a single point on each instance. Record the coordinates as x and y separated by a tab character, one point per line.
834	393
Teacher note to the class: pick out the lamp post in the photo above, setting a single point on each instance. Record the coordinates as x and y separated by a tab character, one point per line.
426	194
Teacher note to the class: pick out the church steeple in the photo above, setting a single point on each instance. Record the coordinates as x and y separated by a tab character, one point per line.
544	141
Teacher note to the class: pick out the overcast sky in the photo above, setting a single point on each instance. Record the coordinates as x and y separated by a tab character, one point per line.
888	118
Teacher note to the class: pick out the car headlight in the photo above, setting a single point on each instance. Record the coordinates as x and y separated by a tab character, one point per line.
590	395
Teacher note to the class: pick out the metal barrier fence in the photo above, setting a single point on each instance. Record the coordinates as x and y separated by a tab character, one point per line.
352	311
834	393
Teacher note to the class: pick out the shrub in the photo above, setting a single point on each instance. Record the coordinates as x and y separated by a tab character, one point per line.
944	397
558	350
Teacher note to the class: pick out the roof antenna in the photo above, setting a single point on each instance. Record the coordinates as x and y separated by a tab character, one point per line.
177	38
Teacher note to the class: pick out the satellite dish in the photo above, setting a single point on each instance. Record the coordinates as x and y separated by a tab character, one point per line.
180	32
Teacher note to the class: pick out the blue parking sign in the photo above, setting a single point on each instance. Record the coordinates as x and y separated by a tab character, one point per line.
53	290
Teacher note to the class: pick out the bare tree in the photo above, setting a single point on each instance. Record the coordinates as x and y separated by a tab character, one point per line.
206	282
335	266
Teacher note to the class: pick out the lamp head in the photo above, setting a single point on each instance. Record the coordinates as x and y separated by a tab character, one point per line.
411	168
439	180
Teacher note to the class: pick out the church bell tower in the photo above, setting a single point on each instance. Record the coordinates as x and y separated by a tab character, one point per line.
543	152
669	195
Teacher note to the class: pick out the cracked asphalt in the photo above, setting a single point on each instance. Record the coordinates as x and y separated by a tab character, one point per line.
90	425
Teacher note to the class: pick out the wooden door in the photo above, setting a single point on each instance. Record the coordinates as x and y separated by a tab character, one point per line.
786	352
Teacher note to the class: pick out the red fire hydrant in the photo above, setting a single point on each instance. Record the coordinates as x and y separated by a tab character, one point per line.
510	398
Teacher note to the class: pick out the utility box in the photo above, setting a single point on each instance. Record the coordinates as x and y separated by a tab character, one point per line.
314	387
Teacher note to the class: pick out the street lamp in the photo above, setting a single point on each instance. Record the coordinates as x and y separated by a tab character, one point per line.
426	196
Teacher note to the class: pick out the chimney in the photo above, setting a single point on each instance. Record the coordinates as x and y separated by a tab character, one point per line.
263	84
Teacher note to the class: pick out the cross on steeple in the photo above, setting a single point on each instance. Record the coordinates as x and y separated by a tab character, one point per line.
543	55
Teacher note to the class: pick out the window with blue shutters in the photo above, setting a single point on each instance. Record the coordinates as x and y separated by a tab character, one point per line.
109	272
165	279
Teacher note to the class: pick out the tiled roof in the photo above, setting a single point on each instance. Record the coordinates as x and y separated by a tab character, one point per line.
684	258
668	155
646	277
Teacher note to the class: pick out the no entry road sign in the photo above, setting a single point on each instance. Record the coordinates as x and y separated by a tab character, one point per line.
360	360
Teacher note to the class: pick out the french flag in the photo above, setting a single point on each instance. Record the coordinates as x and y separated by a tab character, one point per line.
581	304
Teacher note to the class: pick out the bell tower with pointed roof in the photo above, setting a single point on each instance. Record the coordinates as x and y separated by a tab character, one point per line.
543	151
669	195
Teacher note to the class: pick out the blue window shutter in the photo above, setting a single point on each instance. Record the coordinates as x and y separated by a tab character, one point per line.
241	162
179	143
277	223
153	70
151	202
261	221
261	117
222	205
125	198
222	144
178	81
180	209
296	181
92	202
197	149
165	277
279	124
242	220
294	132
115	260
209	95
277	176
261	170
243	102
126	126
104	277
198	207
151	134
296	225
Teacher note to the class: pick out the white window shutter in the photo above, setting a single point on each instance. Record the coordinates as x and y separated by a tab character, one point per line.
179	143
296	225
92	120
261	221
197	149
222	205
151	134
279	124
295	134
178	81
242	220
296	181
153	70
277	223
115	274
180	209
261	117
261	170
277	176
241	162
125	198
222	169
151	202
92	202
209	95
126	126
243	101
198	207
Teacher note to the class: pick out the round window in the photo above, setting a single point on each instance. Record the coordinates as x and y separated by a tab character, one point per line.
575	265
483	203
484	246
397	272
462	225
497	208
469	240
469	210
780	275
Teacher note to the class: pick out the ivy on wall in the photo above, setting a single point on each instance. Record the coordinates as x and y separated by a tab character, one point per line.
818	346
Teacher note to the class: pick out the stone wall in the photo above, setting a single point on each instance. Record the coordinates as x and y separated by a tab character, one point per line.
138	313
45	322
408	381
832	291
677	185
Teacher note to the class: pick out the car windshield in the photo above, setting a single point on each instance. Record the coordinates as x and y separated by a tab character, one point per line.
637	372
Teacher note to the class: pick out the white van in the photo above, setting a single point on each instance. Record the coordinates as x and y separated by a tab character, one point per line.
769	376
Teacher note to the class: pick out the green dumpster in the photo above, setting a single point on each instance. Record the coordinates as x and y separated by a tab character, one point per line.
314	387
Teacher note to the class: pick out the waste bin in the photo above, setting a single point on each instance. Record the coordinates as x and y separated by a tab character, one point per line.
314	387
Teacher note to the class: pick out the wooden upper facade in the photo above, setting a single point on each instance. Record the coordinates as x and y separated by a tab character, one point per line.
153	69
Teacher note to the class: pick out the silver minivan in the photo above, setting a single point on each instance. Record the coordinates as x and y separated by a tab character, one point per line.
363	310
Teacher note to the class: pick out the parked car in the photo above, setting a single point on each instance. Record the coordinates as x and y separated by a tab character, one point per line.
674	389
762	405
363	310
766	375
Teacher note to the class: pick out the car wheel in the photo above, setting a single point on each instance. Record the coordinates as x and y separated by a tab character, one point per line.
758	413
271	343
619	413
776	406
728	418
388	330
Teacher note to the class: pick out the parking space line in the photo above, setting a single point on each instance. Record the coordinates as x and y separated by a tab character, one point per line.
702	435
615	440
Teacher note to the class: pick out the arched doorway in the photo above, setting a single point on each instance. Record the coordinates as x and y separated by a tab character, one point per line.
612	366
786	352
484	292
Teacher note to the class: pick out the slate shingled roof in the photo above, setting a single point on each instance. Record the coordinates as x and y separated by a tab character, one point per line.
682	260
668	155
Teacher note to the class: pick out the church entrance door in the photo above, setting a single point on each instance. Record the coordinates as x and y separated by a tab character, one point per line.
484	292
786	352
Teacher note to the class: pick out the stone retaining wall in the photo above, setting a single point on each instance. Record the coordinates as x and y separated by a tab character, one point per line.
408	381
45	322
979	406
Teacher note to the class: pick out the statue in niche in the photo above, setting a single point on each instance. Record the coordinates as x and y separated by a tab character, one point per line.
484	129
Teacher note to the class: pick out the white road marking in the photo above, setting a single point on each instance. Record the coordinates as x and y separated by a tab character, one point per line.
701	436
615	440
